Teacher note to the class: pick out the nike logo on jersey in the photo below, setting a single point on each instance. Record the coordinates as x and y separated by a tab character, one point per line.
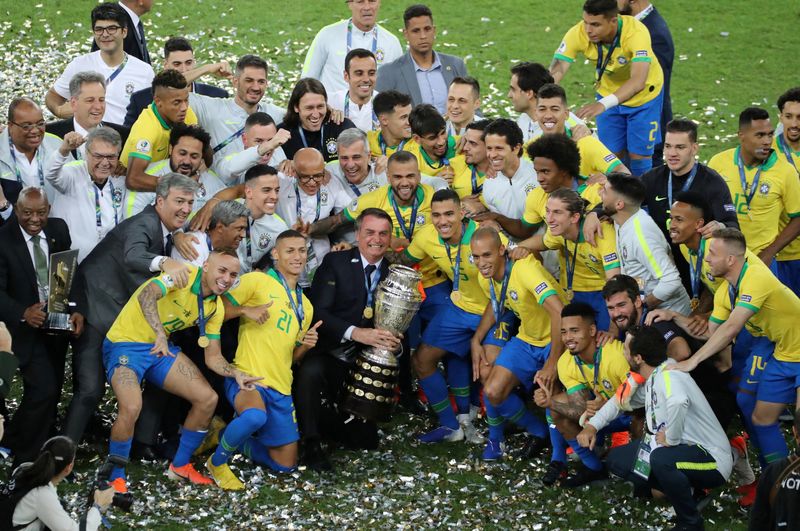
660	198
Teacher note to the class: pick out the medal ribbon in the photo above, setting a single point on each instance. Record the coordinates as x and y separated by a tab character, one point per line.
98	214
696	268
571	266
748	194
350	36
249	242
408	231
784	145
499	304
347	109
597	355
603	63
40	166
686	185
384	147
476	189
228	140
733	291
300	204
297	307
117	72
457	265
201	314
321	138
372	286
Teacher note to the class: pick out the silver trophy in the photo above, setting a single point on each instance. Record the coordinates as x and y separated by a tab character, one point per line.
371	383
61	273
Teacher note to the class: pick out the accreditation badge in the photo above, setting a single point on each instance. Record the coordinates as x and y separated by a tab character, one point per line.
642	465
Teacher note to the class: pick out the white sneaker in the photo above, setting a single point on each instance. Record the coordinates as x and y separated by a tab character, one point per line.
471	433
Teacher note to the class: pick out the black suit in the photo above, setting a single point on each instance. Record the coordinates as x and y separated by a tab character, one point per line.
132	44
106	279
142	98
61	127
339	295
41	356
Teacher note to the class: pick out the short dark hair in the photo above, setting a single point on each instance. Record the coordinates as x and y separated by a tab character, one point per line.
401	157
446	194
649	343
177	44
531	76
607	8
733	236
385	102
487	232
682	125
580	309
195	131
572	199
751	114
471	81
426	120
414	11
288	233
621	284
17	102
627	185
257	171
478	125
372	212
360	53
258	118
551	90
561	149
508	129
698	201
250	61
793	94
169	78
307	85
110	11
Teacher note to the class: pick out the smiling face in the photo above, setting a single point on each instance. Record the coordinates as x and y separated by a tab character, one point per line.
109	36
101	160
89	105
549	175
396	123
446	217
462	102
180	60
32	210
404	178
354	162
435	144
186	156
220	272
623	311
312	109
474	147
27	115
261	194
231	235
361	77
251	85
558	218
577	333
487	255
289	255
686	221
174	210
499	152
790	118
551	113
374	236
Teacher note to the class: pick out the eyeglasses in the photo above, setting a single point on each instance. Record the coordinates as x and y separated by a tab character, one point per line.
108	158
29	127
111	30
307	178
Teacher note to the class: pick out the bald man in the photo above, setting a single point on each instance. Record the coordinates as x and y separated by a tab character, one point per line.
304	200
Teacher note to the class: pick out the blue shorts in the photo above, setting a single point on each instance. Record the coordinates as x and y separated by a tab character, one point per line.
598	303
523	360
751	355
435	297
631	129
452	329
779	382
137	357
789	274
281	425
508	325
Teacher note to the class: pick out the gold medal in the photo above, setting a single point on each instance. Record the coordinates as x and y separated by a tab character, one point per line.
498	333
455	296
368	312
203	341
695	303
570	295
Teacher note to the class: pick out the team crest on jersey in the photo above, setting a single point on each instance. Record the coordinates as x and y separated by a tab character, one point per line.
264	240
143	146
562	46
607	385
116	197
129	88
513	295
622	60
709	276
323	197
123	360
540	288
379	55
624	252
354	205
529	188
371	187
593	258
764	189
330	146
420	219
201	191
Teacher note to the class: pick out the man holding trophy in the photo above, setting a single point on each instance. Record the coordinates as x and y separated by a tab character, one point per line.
28	260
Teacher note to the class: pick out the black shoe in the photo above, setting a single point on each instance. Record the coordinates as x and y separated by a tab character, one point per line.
143	452
532	448
585	475
411	403
556	470
314	457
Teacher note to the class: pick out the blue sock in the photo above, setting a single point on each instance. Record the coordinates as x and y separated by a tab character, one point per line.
747	404
459	371
245	424
190	441
436	390
588	457
475	394
121	449
513	410
496	423
771	442
259	454
557	440
640	166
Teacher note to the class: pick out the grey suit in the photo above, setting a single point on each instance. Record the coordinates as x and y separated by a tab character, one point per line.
401	75
106	279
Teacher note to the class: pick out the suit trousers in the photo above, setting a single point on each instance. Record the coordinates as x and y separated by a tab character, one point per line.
88	381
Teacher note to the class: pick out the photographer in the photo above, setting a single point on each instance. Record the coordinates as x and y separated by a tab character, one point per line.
40	507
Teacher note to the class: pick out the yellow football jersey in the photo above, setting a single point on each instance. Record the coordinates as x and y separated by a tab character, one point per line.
378	147
536	202
602	377
149	136
433	167
792	158
463	174
591	263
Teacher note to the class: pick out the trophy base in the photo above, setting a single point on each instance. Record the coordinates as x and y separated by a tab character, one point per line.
371	384
58	324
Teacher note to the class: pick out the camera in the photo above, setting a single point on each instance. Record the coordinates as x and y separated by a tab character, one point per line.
101	482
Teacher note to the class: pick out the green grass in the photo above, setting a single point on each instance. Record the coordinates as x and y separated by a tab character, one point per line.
727	57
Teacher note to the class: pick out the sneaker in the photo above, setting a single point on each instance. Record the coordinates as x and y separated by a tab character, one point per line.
748	493
442	434
120	485
188	473
211	439
585	475
494	450
556	470
474	411
224	477
471	433
532	448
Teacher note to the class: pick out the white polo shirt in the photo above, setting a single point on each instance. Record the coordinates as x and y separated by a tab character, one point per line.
532	130
259	239
362	116
231	168
506	195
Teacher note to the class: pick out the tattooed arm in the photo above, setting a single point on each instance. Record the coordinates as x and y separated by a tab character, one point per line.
325	226
148	302
571	406
217	363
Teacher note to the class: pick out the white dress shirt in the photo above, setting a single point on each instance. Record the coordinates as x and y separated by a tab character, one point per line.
348	334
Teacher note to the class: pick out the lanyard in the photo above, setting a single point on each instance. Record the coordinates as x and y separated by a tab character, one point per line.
249	242
384	147
408	231
686	185
298	292
347	109
444	161
300	203
570	263
784	145
350	36
208	242
733	291
748	194
97	210
457	265
597	355
650	409
228	140
498	304
603	63
476	188
696	268
201	318
372	286
354	188
321	138
116	72
39	165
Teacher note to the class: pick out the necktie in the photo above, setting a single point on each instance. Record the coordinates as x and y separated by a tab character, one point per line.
143	42
39	261
368	272
168	246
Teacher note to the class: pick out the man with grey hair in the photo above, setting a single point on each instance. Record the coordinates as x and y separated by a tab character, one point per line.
87	99
226	230
86	193
130	253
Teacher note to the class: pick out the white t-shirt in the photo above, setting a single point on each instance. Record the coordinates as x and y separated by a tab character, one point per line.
136	75
260	239
231	168
506	195
532	129
363	117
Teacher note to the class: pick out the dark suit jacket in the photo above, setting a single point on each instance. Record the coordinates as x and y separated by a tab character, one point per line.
400	75
62	127
339	295
18	289
142	98
131	45
118	265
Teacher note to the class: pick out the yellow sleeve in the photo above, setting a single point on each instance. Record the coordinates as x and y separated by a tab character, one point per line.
248	287
592	195
600	158
530	216
572	44
140	143
165	282
356	207
721	312
416	249
753	292
638	46
214	325
608	247
791	195
542	288
567	374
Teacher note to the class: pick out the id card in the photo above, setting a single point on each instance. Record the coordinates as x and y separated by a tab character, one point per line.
642	465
